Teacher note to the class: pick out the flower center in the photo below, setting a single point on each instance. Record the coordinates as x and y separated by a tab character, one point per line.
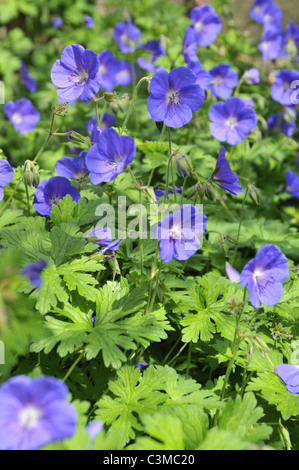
54	200
30	417
176	233
199	26
268	18
218	80
173	97
17	117
102	70
79	77
232	122
257	274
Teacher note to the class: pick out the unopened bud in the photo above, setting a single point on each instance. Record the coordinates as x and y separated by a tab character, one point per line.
223	247
184	164
209	192
28	178
232	240
260	344
78	138
110	96
60	109
113	263
254	194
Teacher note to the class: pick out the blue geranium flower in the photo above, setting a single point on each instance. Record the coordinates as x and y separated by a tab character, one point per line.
174	96
232	120
50	192
155	50
264	274
33	272
6	176
104	239
224	176
203	77
272	16
252	76
107	121
190	45
22	114
257	11
127	36
285	87
284	122
271	45
57	22
34	412
26	78
72	167
207	24
160	192
76	74
232	274
108	158
89	21
108	69
179	233
292	183
224	79
289	373
124	75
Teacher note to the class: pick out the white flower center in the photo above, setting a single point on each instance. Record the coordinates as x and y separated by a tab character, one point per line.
102	70
30	417
79	77
17	117
231	122
218	80
257	274
173	97
176	232
199	26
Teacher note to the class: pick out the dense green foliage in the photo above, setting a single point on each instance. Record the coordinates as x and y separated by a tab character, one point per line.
181	401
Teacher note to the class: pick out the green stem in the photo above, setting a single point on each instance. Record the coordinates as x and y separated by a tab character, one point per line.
235	348
73	366
28	201
171	350
189	357
141	237
240	224
132	103
102	114
50	133
149	303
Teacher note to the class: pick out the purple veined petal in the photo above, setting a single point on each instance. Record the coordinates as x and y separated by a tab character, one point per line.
181	77
224	176
71	93
178	116
292	183
192	96
157	107
232	274
91	62
60	75
167	250
71	57
6	173
91	88
159	84
270	293
218	113
273	263
185	249
190	45
221	90
219	131
289	373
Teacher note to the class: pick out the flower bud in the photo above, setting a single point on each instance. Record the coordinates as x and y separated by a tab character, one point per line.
110	96
113	263
254	194
60	109
223	247
209	192
28	178
260	344
232	240
78	138
184	164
